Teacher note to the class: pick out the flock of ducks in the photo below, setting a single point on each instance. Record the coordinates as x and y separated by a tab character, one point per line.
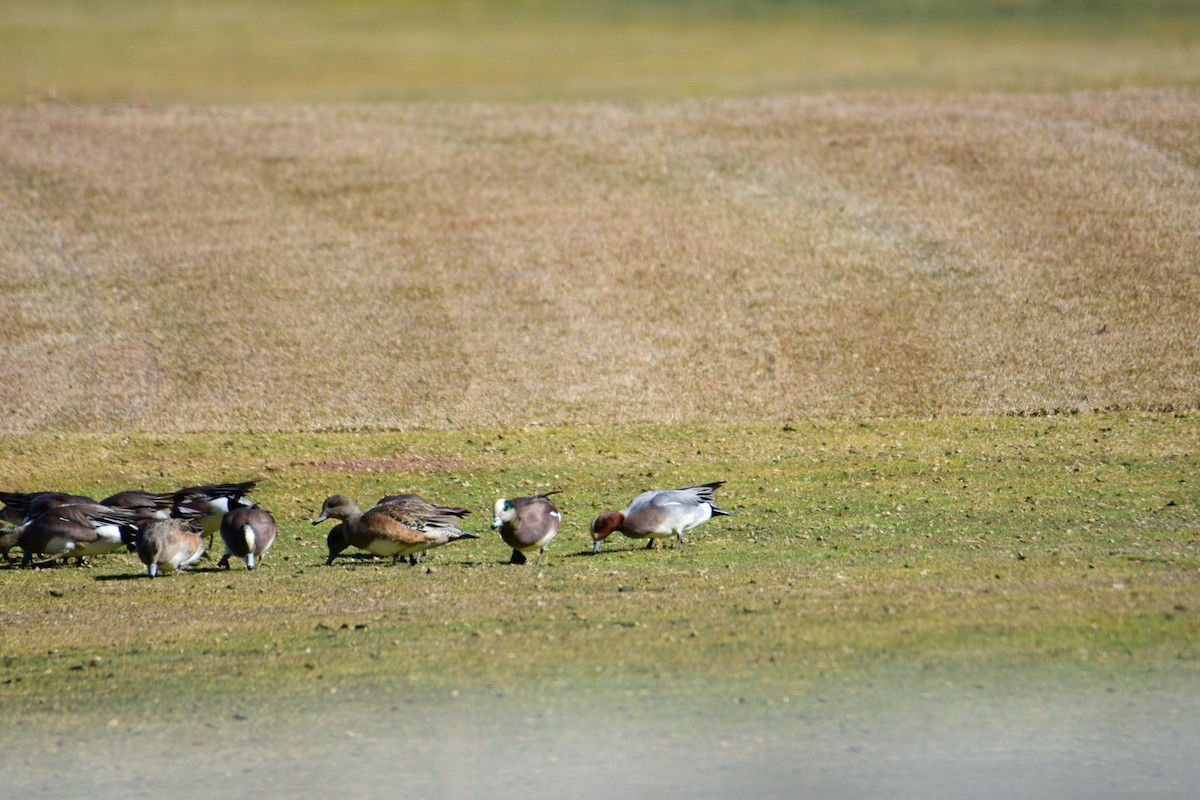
168	530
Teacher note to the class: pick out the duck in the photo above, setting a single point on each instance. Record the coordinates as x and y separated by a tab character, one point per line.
207	502
660	513
148	506
171	542
526	524
248	532
20	506
10	537
396	529
73	530
213	501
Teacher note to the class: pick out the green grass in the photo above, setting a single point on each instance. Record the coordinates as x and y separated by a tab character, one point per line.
219	51
975	550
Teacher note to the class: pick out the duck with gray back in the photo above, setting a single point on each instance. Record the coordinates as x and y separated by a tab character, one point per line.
20	506
418	504
660	513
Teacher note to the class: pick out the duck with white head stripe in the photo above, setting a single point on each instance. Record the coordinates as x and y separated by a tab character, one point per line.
527	524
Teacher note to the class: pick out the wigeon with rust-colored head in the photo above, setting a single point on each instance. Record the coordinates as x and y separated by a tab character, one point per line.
658	514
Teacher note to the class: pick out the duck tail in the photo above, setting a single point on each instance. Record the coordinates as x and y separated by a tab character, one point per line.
705	492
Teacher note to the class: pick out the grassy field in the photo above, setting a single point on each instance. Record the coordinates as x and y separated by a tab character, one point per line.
977	573
945	545
449	266
919	280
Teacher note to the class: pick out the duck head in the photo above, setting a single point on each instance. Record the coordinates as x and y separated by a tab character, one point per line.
336	506
502	512
603	525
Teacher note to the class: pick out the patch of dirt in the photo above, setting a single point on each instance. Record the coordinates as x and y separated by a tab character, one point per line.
392	464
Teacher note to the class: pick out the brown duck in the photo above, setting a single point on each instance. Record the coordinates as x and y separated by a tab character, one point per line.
402	528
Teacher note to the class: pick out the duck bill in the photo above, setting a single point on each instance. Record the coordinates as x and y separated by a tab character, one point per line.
320	519
596	546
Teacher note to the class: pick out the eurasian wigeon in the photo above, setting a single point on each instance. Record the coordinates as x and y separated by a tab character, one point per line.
659	513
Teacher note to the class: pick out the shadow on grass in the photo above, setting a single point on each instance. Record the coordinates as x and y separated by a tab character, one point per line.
636	548
363	560
129	576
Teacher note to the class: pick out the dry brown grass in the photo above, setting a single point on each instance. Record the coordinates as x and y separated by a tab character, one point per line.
474	265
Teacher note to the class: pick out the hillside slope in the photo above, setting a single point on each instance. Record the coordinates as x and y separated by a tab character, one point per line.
313	267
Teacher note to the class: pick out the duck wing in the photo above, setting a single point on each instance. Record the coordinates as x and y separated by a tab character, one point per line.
393	522
420	505
146	505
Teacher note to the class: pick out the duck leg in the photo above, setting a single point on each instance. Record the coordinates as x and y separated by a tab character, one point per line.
55	557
